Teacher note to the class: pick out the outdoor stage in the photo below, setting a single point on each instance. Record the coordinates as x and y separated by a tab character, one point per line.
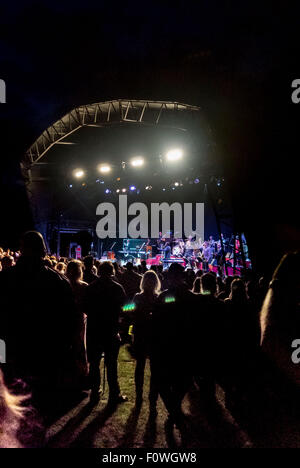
152	151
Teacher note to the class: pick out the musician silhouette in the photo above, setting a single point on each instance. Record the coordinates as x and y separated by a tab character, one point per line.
167	253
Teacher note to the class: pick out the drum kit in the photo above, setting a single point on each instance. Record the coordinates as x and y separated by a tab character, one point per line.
177	251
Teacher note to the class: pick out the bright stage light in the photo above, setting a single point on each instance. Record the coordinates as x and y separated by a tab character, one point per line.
107	191
104	168
132	188
78	173
174	155
176	184
137	162
124	190
118	190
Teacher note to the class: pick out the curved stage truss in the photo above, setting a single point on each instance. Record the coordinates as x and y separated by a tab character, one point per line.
162	113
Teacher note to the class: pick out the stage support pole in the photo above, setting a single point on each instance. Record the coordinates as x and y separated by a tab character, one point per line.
234	253
58	243
58	238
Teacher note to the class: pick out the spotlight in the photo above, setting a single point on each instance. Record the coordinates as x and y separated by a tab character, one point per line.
107	191
174	155
70	185
104	168
164	189
78	173
176	184
132	188
137	162
124	190
118	190
148	187
196	181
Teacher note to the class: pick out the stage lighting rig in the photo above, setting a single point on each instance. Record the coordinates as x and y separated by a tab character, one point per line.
78	173
137	162
174	155
104	168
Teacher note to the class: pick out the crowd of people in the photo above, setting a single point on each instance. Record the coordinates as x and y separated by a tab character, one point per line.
59	317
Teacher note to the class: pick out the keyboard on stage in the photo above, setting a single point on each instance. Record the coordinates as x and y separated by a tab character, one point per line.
172	260
131	252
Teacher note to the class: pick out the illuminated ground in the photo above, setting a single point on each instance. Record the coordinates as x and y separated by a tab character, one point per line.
87	426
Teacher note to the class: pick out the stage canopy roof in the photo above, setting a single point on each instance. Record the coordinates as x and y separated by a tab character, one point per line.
154	113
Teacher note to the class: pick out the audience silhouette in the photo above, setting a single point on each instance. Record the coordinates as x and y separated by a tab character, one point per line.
59	317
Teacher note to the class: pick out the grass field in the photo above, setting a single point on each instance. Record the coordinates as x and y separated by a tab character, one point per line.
85	425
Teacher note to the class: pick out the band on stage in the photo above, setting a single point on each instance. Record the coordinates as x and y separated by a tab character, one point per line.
193	252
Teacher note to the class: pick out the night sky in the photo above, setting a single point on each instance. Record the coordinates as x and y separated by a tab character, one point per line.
236	61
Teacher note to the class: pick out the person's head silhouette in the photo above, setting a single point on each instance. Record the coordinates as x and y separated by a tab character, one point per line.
106	270
32	245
